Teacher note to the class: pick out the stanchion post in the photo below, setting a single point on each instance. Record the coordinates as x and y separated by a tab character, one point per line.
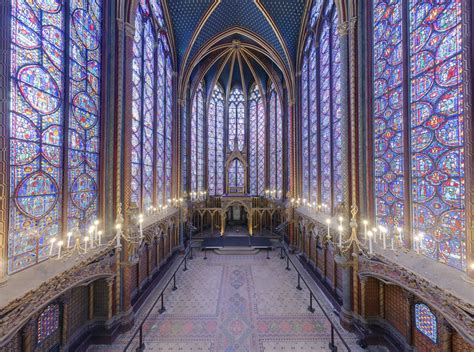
205	254
174	282
288	263
141	344
268	253
299	285
281	253
162	309
310	308
332	347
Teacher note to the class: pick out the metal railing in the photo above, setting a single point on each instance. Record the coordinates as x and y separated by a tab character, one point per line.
312	297
139	330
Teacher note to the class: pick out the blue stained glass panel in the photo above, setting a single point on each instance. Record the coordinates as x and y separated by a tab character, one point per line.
426	322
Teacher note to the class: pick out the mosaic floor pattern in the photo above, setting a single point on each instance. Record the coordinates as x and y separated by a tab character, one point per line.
232	303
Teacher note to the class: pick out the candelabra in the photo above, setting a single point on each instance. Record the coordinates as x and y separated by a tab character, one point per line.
78	243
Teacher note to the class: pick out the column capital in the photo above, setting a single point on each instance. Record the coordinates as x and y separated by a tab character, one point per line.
129	30
343	28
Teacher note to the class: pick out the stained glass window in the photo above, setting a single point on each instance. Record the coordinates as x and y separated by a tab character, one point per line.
236	119
236	176
305	133
426	322
313	126
322	125
152	111
215	140
48	125
275	145
435	123
388	110
257	142
325	114
197	140
48	322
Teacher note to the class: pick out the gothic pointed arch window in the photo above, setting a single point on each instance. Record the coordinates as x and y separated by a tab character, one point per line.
152	111
236	176
275	142
418	119
236	119
55	118
216	146
321	102
197	140
257	137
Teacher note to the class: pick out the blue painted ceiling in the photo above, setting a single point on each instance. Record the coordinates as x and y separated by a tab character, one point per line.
186	15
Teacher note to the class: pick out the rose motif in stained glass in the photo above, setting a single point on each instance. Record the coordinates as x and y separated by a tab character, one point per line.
87	29
39	89
85	110
83	191
37	195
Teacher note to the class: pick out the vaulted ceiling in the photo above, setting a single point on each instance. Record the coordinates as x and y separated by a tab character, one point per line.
196	22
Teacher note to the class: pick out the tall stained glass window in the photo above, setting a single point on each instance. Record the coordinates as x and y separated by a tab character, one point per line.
432	94
197	140
236	119
54	131
322	128
257	141
151	110
236	176
275	144
215	140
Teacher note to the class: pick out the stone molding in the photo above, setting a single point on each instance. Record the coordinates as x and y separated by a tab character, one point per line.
458	313
18	312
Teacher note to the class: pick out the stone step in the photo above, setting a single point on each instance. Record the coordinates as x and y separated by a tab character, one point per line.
237	251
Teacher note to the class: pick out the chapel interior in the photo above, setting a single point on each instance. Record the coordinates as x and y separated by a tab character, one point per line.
236	175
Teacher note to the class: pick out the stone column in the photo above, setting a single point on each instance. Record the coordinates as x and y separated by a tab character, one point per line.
445	332
28	336
128	35
91	301
5	16
110	294
363	287
65	301
410	299
344	261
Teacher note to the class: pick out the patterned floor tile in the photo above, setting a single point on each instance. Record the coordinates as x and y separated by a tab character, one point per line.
236	303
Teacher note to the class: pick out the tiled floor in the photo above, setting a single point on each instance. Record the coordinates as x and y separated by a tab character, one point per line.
232	303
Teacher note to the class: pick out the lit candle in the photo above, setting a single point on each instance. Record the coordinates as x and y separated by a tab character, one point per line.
399	229
69	235
416	245
91	235
340	220
100	237
51	241
118	228
365	222
383	230
60	244
328	221
370	234
86	239
96	228
391	242
340	236
374	233
421	235
140	222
